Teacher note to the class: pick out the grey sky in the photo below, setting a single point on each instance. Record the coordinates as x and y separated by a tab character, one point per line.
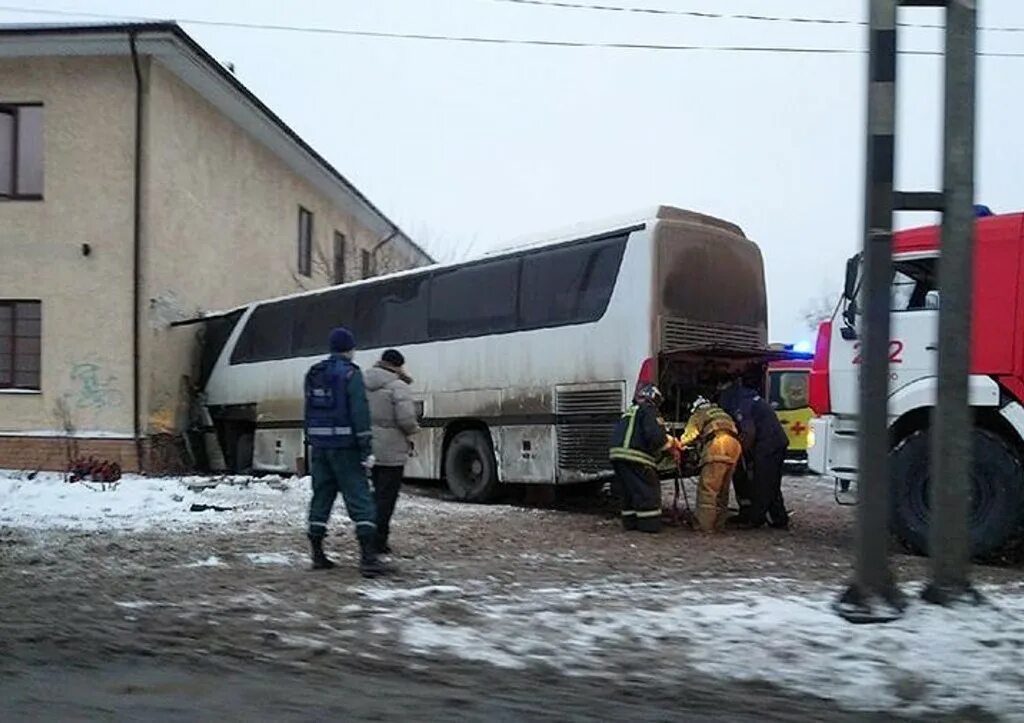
468	143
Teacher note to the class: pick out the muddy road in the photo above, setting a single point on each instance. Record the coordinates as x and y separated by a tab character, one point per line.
494	613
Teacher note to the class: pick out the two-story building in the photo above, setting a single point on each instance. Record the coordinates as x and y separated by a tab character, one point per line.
141	184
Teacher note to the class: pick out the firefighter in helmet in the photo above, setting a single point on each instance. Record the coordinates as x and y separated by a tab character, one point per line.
720	450
637	443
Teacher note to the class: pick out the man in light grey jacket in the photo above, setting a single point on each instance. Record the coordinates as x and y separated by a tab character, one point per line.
393	419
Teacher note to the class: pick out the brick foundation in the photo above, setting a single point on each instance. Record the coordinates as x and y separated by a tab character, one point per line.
162	453
53	453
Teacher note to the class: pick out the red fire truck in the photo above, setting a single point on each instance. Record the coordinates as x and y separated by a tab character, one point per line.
996	382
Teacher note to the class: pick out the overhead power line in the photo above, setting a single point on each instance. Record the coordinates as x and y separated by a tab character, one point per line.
731	16
492	40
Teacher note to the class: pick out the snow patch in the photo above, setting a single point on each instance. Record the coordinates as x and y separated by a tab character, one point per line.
211	561
424	636
381	594
932	660
141	604
142	503
269	558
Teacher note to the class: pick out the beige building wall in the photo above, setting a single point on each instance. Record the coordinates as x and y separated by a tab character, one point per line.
219	228
221	219
86	300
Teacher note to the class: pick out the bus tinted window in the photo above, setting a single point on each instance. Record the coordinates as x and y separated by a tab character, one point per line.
569	285
392	313
474	300
215	336
315	316
532	290
267	335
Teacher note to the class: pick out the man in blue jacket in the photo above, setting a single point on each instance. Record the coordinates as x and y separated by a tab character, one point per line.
337	421
764	448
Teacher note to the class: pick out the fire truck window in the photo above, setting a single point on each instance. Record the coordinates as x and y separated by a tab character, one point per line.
911	283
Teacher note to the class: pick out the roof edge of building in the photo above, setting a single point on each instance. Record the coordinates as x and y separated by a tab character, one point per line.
186	44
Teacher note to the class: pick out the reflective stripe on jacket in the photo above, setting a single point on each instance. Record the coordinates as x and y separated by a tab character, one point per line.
638	437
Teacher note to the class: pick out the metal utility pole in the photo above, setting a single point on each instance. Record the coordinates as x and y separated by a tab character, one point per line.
949	543
873	595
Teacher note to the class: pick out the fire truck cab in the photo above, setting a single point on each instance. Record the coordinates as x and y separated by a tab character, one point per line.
996	383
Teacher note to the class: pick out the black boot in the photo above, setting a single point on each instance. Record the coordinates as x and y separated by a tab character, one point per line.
320	560
369	564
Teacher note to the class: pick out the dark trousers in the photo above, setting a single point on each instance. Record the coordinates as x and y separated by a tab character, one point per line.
742	484
767	503
341	470
387	481
640	491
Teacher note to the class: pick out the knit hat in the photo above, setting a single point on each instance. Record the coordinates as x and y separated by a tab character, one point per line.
341	340
394	358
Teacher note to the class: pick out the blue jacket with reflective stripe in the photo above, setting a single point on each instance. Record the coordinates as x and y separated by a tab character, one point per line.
344	421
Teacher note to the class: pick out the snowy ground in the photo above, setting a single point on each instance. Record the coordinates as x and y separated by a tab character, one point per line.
529	606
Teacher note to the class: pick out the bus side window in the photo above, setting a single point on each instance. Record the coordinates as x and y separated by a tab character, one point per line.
314	316
474	300
569	285
392	312
267	334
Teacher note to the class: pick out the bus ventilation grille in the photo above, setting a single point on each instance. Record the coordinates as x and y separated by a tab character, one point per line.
677	334
583	444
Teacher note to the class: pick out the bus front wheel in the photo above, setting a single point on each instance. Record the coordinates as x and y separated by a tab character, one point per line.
996	492
469	466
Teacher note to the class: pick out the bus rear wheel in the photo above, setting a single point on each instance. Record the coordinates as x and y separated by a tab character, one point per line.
469	467
996	492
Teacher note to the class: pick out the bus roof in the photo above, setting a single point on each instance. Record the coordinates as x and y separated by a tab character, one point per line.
634	221
613	223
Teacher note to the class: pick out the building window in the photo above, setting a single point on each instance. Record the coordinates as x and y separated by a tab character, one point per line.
367	265
339	257
20	337
305	241
21	151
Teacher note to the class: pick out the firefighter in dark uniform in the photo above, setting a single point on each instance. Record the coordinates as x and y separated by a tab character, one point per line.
337	424
764	446
637	443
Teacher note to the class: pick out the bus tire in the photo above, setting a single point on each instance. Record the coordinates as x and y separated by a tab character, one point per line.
997	492
469	466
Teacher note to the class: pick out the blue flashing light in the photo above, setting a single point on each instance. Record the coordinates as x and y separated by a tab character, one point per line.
981	211
804	347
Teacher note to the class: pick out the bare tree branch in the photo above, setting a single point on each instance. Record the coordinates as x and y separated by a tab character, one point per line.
818	309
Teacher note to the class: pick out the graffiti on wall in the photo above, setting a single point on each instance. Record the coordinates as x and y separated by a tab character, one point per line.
92	389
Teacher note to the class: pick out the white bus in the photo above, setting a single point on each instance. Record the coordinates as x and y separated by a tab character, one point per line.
522	360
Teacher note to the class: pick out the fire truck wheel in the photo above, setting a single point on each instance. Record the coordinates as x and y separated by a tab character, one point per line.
997	492
469	467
